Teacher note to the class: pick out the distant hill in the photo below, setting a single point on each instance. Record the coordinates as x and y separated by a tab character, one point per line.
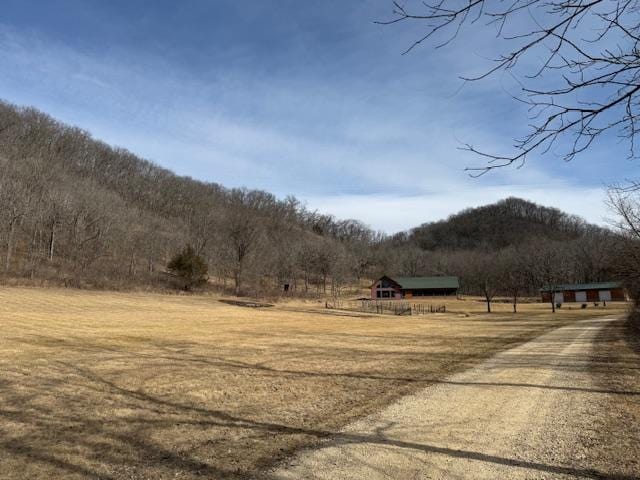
508	222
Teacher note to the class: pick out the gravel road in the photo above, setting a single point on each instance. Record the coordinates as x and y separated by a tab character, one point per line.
565	405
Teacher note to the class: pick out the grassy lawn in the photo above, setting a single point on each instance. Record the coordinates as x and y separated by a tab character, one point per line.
133	386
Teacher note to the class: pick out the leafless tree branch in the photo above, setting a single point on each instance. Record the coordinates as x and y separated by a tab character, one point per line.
586	84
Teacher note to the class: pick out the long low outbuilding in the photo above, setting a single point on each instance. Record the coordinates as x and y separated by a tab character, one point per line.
410	287
584	292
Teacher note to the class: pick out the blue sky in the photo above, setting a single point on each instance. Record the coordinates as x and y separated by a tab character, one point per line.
305	98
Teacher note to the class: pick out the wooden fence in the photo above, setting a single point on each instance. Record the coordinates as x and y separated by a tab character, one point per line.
388	307
395	307
422	309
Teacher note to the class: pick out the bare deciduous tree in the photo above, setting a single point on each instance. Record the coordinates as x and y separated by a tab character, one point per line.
483	273
515	279
626	205
551	267
242	231
577	63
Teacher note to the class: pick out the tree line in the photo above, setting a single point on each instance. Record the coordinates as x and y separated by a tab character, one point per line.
78	212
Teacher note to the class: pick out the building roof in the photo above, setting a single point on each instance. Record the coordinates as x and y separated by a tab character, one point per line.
582	286
427	282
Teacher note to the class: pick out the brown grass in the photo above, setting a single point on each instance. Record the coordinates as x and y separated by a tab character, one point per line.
122	385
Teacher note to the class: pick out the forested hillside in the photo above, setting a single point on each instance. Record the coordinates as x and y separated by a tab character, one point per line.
78	212
508	222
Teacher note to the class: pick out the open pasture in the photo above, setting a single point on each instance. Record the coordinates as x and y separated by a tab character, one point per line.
127	385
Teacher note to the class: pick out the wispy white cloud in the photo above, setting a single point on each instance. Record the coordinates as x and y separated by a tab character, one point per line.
394	213
368	136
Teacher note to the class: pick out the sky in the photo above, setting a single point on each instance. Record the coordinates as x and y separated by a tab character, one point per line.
311	99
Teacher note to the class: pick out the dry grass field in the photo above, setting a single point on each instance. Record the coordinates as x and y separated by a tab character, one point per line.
146	386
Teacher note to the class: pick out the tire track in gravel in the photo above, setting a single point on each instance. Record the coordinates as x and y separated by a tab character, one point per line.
536	411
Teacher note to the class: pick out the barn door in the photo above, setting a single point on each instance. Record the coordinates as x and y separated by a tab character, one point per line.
558	297
581	296
604	295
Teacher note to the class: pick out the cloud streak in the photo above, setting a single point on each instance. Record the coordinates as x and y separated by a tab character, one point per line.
393	213
340	119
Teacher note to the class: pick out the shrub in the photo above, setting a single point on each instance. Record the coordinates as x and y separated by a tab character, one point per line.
189	267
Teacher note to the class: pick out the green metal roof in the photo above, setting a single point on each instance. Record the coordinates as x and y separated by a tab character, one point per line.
426	282
583	286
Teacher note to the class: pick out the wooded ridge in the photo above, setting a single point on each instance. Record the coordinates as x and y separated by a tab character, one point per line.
78	212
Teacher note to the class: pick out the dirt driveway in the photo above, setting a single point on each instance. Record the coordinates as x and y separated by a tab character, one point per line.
565	405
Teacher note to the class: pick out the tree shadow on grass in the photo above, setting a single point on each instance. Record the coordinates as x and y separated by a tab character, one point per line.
129	445
177	353
76	436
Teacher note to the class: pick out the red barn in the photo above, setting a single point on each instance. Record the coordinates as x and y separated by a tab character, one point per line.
409	287
585	292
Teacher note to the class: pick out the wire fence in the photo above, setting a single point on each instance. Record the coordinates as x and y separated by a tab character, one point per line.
395	307
387	307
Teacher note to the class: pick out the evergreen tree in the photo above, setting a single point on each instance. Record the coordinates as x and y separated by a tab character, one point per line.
189	267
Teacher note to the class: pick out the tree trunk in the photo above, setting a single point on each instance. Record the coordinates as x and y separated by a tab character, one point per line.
488	304
515	302
7	260
238	279
132	264
52	241
32	256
